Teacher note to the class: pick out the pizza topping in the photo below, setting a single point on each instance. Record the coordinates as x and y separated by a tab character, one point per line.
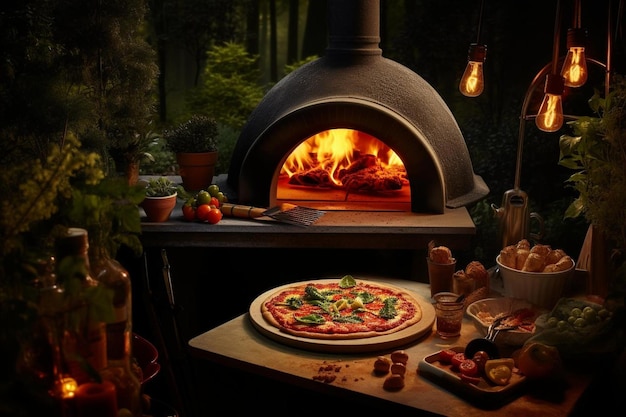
382	365
388	311
398	368
394	382
311	319
347	281
399	356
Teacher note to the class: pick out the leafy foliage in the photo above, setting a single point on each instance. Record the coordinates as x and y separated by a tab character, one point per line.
597	153
198	134
160	187
230	87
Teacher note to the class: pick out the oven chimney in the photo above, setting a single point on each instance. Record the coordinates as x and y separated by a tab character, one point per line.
354	87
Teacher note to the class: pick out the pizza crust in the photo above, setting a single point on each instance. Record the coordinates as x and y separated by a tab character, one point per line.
339	331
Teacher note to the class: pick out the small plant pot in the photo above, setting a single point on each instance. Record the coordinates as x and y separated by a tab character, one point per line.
159	209
196	169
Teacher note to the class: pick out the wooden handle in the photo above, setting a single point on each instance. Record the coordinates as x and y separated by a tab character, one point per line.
238	210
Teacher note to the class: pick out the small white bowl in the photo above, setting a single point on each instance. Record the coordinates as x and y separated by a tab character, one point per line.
540	288
483	312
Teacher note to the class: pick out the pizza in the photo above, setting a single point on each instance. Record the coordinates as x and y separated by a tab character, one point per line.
365	175
345	308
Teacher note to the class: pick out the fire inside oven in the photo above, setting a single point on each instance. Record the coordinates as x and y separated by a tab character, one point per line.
344	169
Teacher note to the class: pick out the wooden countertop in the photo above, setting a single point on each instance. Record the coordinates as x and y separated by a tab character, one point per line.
335	229
238	344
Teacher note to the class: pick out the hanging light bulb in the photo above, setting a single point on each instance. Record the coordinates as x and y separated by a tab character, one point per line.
550	116
473	81
574	69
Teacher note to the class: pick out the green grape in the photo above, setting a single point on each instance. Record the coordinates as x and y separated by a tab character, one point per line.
580	322
552	322
561	325
576	312
590	314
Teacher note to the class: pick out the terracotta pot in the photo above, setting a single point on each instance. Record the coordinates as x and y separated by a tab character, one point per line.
159	209
196	169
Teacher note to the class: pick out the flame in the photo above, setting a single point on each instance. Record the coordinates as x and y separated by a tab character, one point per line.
334	150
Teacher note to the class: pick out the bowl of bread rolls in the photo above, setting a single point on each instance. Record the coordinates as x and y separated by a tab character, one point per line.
536	273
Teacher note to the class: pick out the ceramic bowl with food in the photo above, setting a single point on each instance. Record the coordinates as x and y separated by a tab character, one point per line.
540	288
516	313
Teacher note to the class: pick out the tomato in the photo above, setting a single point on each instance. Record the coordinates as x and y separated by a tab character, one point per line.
470	379
445	356
213	189
480	358
221	197
214	215
189	212
457	359
215	202
203	197
202	212
468	367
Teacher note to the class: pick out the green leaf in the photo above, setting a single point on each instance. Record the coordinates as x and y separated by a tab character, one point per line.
388	310
348	319
312	293
366	297
347	281
311	319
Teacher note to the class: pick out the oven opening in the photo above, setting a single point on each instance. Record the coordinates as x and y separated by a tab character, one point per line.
344	169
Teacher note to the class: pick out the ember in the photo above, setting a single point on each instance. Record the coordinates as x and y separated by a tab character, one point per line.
345	159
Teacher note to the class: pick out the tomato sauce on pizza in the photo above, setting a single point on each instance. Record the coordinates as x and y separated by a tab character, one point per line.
342	309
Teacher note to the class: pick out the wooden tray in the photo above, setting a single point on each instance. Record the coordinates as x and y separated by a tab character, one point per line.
369	344
485	394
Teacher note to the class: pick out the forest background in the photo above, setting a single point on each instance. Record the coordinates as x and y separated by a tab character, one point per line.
219	57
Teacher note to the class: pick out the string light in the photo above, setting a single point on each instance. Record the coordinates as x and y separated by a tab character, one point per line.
574	69
550	116
473	80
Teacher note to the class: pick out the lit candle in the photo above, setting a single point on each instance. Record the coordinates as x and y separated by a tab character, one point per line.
96	400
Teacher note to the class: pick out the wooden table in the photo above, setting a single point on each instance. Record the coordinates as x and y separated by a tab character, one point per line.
238	344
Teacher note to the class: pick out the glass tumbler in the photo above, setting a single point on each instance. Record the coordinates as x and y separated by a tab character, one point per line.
449	315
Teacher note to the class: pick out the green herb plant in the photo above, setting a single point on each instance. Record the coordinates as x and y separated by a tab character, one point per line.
596	151
161	187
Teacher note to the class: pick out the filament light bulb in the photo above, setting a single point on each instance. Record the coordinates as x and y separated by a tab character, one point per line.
473	81
550	116
574	70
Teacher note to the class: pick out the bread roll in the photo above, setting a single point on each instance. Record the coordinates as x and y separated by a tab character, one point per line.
523	244
534	262
542	250
441	255
476	271
554	255
520	258
508	255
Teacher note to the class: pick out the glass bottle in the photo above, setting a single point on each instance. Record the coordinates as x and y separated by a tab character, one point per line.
110	273
84	340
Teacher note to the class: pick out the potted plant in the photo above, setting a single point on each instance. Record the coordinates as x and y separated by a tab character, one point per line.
194	143
595	150
161	194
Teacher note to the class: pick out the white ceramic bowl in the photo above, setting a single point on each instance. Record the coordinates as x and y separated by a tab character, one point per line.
540	288
482	313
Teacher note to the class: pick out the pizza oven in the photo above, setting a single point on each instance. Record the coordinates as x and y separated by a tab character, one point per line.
354	130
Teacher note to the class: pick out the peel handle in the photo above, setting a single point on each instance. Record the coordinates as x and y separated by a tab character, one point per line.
242	211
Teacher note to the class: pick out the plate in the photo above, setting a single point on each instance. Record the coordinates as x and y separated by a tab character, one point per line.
484	394
369	344
482	311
